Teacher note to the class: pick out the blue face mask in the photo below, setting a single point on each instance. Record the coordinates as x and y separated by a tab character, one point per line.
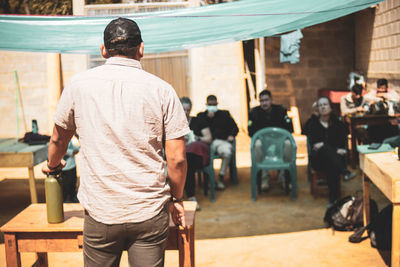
212	108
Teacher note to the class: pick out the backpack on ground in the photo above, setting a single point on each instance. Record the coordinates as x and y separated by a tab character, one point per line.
379	230
346	214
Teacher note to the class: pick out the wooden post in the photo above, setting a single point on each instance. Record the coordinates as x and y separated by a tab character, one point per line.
13	258
244	116
395	235
32	185
366	182
54	82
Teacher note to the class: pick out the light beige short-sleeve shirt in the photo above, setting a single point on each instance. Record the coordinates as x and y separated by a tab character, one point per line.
122	115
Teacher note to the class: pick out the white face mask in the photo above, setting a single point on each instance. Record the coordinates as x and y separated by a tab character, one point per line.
212	108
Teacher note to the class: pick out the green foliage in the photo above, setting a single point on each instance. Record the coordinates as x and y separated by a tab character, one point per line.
44	7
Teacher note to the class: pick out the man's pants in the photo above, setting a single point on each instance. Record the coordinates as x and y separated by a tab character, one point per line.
224	149
144	241
259	155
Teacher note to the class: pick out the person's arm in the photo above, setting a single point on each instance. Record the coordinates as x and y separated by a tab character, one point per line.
58	146
175	154
206	135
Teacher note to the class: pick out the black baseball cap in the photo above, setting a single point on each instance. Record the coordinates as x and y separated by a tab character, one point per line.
122	33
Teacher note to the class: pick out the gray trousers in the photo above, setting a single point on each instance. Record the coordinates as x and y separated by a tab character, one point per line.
145	241
224	149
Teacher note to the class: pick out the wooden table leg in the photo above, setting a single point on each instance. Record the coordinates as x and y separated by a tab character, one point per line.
191	243
13	258
32	185
396	236
353	146
366	197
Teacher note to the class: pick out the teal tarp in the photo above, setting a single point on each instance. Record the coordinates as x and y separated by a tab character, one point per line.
177	29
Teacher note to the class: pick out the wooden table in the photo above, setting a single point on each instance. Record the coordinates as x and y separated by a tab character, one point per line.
383	169
364	120
14	154
30	232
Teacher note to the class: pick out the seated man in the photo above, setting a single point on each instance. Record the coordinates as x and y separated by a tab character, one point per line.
353	102
379	100
223	130
269	115
382	93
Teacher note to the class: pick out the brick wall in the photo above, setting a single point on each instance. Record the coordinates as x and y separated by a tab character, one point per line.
326	58
377	43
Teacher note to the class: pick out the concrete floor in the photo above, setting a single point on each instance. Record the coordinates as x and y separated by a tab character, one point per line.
234	231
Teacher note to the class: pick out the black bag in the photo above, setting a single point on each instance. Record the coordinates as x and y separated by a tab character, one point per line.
379	230
346	214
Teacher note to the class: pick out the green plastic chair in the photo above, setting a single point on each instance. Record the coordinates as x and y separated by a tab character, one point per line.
209	170
272	140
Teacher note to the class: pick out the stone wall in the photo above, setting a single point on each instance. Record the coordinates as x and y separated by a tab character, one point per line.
377	43
326	58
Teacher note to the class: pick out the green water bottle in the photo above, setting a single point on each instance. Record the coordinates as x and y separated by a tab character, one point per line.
54	198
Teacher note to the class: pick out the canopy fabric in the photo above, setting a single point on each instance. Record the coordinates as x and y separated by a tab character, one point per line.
176	29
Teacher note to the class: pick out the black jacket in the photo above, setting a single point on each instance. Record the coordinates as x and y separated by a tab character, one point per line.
221	125
277	117
335	135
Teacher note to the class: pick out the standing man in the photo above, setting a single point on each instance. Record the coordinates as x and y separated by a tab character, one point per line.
123	115
223	131
269	115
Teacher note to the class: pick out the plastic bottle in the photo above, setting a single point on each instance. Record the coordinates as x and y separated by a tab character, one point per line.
54	199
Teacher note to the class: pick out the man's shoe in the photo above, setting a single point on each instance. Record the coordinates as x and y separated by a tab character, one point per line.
349	176
219	185
194	199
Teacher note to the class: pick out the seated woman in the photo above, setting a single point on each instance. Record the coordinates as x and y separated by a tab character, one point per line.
327	136
197	148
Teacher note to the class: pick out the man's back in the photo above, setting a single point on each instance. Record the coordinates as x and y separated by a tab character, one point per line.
122	114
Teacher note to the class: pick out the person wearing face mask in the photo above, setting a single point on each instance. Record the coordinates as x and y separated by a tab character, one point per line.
327	137
223	130
265	115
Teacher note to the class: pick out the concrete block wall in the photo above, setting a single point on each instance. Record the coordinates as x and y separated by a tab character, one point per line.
218	70
377	43
326	58
33	78
32	73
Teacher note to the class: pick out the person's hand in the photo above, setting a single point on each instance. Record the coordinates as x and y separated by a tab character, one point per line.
318	145
360	109
230	138
47	171
177	213
341	151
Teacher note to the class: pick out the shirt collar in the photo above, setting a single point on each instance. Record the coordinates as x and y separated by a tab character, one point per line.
128	62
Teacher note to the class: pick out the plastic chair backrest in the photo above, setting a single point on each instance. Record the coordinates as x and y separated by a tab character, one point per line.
272	140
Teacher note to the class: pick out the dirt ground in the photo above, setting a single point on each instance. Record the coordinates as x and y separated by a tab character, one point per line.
234	231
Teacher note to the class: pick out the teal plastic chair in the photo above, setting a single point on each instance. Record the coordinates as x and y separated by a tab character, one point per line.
209	170
272	140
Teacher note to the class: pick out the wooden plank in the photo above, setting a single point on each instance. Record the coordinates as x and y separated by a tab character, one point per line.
49	242
384	170
15	160
32	185
396	236
12	255
366	197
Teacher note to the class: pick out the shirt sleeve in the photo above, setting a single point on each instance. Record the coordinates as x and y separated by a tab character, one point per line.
64	116
175	122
